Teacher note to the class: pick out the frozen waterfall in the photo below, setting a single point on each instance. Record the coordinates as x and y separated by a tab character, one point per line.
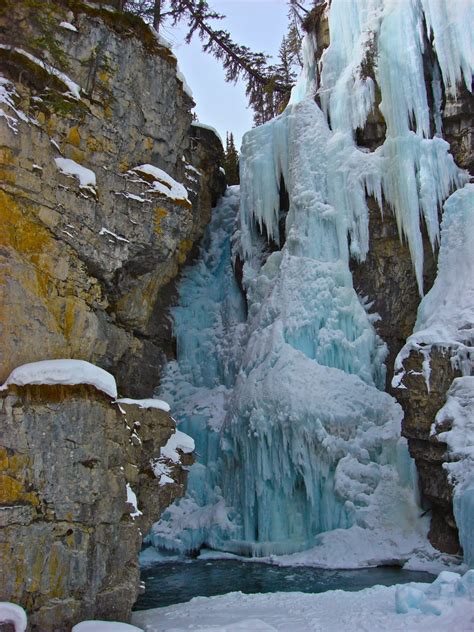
298	447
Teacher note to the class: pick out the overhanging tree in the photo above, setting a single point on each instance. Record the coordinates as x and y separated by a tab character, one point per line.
267	86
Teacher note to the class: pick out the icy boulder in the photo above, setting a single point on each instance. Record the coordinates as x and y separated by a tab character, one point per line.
447	592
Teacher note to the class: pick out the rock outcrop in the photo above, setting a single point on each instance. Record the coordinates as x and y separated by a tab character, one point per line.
104	189
68	542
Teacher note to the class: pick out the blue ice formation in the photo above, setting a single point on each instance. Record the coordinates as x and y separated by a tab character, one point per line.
208	325
447	591
298	446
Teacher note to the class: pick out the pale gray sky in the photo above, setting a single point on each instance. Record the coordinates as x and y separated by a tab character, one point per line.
258	24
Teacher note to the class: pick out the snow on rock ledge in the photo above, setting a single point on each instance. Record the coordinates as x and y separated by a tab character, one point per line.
86	177
68	372
169	452
162	183
159	404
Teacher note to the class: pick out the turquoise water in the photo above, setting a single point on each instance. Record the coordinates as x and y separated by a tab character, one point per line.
175	582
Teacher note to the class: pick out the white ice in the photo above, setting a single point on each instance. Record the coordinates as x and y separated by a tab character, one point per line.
454	424
62	372
306	451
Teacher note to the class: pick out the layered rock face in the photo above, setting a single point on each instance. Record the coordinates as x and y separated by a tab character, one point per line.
85	258
386	279
104	190
68	542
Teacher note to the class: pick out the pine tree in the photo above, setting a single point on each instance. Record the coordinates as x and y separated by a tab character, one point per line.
231	160
264	87
268	86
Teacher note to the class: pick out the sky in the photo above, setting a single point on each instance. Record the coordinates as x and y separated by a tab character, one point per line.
258	24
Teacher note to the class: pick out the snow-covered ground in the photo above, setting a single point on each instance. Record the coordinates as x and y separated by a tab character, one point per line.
446	604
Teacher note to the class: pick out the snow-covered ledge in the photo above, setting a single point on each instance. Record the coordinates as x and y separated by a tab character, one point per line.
70	372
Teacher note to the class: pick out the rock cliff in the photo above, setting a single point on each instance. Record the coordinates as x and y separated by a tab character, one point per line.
68	542
90	238
104	189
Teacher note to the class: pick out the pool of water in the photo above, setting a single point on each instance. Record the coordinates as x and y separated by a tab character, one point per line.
174	582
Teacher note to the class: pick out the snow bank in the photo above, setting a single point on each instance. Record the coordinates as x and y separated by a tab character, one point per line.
446	604
162	182
86	177
145	403
105	626
11	613
62	372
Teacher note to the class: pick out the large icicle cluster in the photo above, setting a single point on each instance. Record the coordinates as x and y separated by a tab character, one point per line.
310	454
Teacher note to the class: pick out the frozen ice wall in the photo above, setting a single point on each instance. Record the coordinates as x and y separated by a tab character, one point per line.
311	444
299	448
207	324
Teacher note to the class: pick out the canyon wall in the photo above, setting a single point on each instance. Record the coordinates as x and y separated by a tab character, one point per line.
104	189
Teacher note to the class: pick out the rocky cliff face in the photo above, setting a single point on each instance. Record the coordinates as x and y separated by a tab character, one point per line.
386	278
104	189
68	542
86	257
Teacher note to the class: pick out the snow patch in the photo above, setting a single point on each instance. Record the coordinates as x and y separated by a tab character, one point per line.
74	90
145	403
162	183
208	127
105	231
7	94
86	177
132	500
68	26
178	441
